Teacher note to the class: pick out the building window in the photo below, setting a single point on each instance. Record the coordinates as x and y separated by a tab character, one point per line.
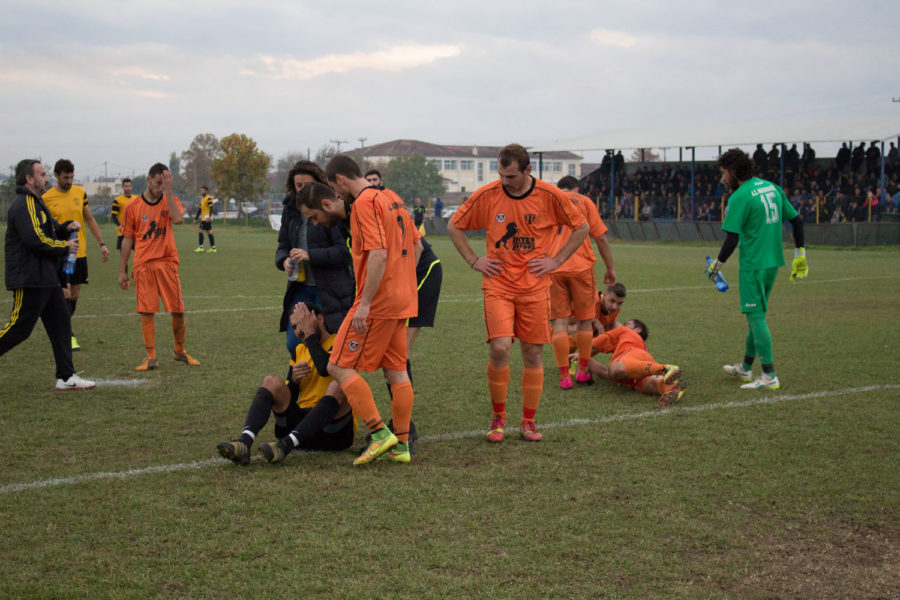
493	165
572	169
436	162
557	166
480	170
450	164
466	165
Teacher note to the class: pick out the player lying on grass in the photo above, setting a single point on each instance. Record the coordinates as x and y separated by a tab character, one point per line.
632	365
311	412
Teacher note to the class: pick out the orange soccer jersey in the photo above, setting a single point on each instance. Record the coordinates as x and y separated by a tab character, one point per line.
380	220
150	226
518	230
621	341
583	258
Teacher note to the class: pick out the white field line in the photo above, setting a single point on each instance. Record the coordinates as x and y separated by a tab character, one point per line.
121	382
445	298
47	483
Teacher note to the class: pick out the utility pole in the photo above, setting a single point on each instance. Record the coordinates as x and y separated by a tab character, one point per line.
362	153
338	144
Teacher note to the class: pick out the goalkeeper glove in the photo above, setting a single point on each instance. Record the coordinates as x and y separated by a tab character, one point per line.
799	268
712	267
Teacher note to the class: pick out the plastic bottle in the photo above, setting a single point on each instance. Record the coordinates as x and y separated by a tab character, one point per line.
298	271
69	262
719	279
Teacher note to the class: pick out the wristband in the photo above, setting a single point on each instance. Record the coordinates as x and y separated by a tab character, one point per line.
102	243
798	252
472	264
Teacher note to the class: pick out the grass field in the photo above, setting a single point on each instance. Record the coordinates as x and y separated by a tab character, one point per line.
119	492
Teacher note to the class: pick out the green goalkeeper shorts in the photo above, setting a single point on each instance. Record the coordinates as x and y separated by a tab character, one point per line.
755	289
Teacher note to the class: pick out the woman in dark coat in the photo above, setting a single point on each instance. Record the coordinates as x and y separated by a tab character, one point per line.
321	256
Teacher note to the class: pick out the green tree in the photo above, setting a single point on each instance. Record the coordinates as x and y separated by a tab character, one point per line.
198	160
177	178
413	176
240	171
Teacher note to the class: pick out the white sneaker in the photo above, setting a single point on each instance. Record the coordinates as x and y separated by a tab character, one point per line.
739	371
74	383
763	382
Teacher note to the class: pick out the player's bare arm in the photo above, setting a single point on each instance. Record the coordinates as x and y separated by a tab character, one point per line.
606	254
548	264
174	211
483	264
127	245
374	274
91	222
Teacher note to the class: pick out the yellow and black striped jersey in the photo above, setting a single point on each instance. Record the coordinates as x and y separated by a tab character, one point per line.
69	206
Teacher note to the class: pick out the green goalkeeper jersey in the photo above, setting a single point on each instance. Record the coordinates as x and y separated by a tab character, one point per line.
755	212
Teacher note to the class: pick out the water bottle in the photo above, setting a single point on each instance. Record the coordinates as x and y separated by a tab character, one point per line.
298	271
719	279
69	262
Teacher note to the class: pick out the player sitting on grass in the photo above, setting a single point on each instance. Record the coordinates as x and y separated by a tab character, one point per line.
311	412
632	366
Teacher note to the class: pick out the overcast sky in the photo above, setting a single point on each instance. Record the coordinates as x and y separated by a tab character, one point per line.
128	82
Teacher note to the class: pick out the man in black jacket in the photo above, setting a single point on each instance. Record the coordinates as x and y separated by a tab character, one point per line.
35	242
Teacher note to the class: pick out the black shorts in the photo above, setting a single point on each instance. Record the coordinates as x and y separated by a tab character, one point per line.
429	293
79	277
206	225
337	435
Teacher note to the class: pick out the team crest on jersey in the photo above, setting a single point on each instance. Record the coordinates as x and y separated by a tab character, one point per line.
530	219
501	218
353	346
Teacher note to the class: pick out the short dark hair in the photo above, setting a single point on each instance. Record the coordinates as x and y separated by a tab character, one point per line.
738	162
203	187
567	183
24	169
644	333
374	172
617	288
303	167
514	152
126	180
312	194
342	165
157	169
63	165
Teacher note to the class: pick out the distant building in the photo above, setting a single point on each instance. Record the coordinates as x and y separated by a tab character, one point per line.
467	168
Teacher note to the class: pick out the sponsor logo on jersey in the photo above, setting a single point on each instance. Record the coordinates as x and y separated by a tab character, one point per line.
501	218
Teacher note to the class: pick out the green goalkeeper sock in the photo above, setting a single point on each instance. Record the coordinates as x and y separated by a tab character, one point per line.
762	338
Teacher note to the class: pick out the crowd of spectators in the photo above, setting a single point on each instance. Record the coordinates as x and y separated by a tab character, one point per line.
838	190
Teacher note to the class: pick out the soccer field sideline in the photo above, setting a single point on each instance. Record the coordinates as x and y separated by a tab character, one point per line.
61	481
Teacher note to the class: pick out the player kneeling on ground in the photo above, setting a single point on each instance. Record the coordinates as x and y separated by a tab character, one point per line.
632	366
311	412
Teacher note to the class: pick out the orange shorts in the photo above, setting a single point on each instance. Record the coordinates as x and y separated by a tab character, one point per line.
524	316
383	345
154	280
573	294
633	354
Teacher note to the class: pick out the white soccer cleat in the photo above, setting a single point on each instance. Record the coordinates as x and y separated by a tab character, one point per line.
739	371
74	383
763	382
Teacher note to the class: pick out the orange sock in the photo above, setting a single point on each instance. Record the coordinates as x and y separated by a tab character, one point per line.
498	382
638	369
178	332
583	343
401	408
148	329
560	343
359	395
532	386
